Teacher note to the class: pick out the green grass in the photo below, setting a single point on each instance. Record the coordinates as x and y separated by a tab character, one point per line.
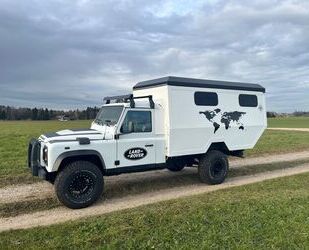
15	136
30	206
289	122
14	139
266	215
138	186
273	142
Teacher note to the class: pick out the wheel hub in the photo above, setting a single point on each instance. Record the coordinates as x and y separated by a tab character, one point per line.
81	185
217	169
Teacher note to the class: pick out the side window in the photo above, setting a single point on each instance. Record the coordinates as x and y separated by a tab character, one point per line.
206	98
137	122
248	100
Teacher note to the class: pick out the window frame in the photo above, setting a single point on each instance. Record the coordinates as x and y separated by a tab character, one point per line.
124	117
206	92
250	105
109	106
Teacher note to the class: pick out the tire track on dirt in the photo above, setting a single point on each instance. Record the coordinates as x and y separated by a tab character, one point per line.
291	129
63	214
42	190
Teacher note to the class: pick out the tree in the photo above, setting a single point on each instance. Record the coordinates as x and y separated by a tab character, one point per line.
2	115
34	115
46	114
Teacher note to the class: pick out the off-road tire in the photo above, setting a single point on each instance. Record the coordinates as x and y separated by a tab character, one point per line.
175	165
74	179
213	167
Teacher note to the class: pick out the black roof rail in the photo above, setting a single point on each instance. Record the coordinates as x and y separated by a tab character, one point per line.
151	102
128	98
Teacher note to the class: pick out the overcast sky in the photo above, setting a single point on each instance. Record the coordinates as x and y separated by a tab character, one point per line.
70	54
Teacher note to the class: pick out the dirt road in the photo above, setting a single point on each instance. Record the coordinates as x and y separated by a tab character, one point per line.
43	190
291	129
62	214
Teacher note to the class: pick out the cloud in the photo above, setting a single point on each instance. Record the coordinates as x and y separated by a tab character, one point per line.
68	54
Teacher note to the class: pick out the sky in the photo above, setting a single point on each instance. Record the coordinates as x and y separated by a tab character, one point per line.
70	54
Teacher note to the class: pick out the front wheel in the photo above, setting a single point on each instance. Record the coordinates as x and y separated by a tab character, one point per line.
213	167
79	184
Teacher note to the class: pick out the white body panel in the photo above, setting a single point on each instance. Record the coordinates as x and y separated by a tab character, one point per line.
106	147
188	132
133	142
103	141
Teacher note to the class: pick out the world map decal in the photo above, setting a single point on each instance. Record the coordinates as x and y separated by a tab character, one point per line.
218	118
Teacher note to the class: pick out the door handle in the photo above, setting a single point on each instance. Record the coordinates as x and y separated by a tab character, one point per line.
149	145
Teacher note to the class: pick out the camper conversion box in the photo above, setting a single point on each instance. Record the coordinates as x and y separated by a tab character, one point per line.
169	122
196	113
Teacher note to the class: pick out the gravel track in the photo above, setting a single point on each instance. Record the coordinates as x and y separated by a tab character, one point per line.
63	214
42	190
291	129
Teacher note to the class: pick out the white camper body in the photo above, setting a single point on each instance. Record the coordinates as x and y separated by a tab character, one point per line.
188	131
169	122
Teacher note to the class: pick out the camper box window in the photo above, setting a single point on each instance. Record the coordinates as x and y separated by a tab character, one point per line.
206	98
248	100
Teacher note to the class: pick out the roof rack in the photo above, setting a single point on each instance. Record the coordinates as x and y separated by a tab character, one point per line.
117	99
128	98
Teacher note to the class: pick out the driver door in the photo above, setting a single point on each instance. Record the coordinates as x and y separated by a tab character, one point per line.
136	143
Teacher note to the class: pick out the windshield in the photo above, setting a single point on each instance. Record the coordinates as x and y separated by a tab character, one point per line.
108	115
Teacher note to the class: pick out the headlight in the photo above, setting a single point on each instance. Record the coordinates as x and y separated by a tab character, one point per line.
45	155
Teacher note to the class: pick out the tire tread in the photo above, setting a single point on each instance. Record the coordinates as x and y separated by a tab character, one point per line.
69	169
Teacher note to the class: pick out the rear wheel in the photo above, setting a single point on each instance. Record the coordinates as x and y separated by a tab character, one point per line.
213	167
79	184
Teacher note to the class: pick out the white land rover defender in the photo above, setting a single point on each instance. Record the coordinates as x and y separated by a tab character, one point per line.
169	122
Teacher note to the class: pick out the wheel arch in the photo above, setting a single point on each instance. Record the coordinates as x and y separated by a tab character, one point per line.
222	147
86	155
219	146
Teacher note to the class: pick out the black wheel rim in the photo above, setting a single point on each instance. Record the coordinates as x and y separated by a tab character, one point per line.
217	169
81	185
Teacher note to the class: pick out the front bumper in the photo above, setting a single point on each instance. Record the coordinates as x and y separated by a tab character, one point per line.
34	154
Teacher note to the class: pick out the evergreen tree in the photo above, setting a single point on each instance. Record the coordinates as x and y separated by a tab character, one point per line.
34	115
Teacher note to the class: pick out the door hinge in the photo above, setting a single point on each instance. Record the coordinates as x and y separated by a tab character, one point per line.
117	163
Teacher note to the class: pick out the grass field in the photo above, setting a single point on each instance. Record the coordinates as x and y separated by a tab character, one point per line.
273	142
266	215
14	139
15	136
289	122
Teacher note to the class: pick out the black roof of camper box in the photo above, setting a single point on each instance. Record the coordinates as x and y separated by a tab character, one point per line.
198	83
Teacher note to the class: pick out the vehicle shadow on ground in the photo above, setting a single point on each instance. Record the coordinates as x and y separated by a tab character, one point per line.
124	185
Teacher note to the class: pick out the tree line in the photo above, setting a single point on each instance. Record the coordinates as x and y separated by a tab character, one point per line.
12	113
271	114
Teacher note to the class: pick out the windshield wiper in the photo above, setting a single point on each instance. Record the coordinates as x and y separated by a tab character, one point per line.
98	121
107	122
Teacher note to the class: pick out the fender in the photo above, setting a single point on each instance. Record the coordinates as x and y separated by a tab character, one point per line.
85	152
